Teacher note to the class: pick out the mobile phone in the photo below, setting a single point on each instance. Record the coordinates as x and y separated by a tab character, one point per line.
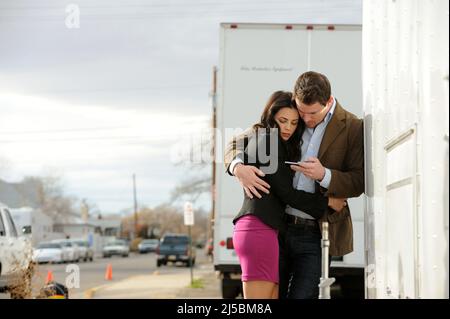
297	163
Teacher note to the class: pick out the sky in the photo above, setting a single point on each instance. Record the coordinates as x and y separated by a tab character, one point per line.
122	91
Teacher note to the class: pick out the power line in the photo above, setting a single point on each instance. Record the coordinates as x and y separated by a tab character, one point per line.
143	139
63	130
166	13
171	14
183	121
208	9
77	139
154	5
194	86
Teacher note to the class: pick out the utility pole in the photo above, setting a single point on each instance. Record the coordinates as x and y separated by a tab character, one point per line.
135	208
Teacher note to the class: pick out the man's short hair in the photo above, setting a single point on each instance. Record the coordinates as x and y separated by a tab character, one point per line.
312	87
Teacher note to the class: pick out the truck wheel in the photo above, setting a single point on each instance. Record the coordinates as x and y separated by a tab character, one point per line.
352	287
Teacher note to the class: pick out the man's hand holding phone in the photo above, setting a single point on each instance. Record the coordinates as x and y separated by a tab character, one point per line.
311	168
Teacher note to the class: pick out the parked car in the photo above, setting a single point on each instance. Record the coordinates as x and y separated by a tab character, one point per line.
148	245
70	249
175	248
15	258
116	247
48	252
86	251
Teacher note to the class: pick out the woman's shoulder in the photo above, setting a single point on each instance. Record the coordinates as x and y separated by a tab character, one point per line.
265	146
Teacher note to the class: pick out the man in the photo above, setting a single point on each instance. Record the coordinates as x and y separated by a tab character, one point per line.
332	161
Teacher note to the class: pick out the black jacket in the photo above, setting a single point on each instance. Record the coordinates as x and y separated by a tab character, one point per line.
271	207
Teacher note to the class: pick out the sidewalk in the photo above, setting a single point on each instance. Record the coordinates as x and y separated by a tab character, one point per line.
166	283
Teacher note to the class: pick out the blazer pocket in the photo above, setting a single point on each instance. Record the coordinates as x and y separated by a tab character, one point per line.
336	217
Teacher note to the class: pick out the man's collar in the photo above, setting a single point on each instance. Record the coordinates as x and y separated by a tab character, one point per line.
331	111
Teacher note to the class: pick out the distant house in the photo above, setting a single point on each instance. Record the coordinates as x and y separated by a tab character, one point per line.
96	231
110	225
75	230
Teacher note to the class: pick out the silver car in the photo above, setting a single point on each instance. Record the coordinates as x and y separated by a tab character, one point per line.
70	250
117	247
85	250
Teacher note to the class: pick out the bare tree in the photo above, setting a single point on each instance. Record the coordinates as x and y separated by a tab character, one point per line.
199	170
51	198
191	189
167	219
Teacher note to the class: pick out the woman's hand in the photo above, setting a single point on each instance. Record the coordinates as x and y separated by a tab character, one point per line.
248	178
337	204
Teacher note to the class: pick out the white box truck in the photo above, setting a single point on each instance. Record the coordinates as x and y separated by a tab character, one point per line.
256	60
406	109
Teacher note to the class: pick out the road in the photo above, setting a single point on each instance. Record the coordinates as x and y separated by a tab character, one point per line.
92	274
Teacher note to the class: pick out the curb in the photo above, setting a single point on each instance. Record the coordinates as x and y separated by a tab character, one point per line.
90	293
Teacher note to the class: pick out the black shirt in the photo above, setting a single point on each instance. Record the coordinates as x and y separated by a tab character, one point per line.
270	208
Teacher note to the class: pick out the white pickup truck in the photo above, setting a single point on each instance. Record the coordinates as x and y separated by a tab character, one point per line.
15	258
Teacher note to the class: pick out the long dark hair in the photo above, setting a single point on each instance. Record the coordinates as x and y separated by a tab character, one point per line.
277	101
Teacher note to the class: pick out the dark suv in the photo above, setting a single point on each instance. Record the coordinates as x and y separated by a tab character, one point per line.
174	247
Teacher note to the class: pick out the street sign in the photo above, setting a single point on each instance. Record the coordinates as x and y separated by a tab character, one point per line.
189	221
188	214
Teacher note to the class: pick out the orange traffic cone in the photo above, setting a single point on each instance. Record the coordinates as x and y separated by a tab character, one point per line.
49	277
108	274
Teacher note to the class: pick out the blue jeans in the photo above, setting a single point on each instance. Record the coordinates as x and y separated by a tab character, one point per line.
300	262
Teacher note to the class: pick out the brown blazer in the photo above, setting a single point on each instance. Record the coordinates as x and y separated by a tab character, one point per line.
341	151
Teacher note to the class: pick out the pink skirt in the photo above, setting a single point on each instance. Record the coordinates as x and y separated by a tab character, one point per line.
256	245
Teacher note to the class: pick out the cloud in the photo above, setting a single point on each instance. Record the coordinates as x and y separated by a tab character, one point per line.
113	97
95	149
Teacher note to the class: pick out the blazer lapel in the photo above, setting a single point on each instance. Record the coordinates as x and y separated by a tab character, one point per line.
336	125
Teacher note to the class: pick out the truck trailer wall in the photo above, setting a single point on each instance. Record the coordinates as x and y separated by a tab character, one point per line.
405	89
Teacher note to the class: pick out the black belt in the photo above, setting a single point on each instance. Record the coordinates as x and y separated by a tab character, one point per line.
291	219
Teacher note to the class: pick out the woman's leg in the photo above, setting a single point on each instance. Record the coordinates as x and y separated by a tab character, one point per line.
275	292
258	289
256	245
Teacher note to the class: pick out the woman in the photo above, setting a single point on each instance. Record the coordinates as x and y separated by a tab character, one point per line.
255	235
